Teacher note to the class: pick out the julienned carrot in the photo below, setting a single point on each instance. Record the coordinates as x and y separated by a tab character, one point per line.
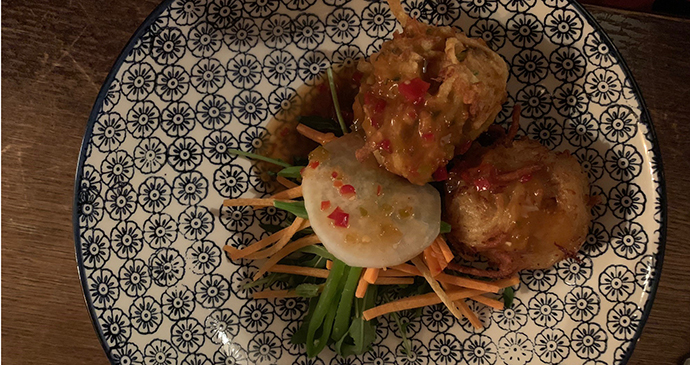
361	287
393	273
292	193
251	201
287	235
370	275
447	253
329	264
431	261
485	286
393	281
285	182
467	312
417	301
436	287
300	270
314	135
288	249
493	303
258	245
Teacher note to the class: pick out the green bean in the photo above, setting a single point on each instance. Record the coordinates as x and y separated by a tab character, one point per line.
344	314
324	306
318	250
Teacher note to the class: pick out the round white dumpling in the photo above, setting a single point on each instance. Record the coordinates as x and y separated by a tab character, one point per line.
364	215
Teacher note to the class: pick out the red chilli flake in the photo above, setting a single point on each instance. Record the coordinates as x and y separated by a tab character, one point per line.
334	174
429	137
440	174
340	218
325	204
465	147
347	190
414	90
314	164
385	145
357	77
379	190
482	184
525	178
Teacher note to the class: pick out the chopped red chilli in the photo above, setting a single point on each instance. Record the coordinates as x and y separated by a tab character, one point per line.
429	137
325	204
347	190
525	178
440	174
314	164
385	145
334	174
379	190
414	90
340	218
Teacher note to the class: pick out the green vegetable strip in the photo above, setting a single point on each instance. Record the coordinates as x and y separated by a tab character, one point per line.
293	172
254	156
336	104
508	295
324	307
319	251
407	346
296	208
445	227
344	315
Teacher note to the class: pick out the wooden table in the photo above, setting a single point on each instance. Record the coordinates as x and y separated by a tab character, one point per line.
55	58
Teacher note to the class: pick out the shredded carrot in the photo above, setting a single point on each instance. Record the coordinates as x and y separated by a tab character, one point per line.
485	286
417	301
467	312
286	183
300	270
329	264
268	294
293	193
231	251
445	250
361	287
263	243
431	261
393	281
289	232
370	275
493	303
282	253
314	135
452	307
407	268
394	273
251	201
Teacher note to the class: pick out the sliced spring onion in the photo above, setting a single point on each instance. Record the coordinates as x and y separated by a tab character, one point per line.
445	227
254	156
336	104
296	208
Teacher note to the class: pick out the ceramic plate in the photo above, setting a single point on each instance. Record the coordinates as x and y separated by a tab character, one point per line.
202	76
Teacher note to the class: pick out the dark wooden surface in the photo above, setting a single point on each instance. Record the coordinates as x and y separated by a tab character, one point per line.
55	56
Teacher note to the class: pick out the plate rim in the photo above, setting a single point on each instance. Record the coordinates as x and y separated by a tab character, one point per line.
645	117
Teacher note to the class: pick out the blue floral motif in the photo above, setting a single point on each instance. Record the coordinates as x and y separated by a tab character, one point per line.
167	266
520	6
154	194
135	278
290	309
581	131
252	139
204	257
535	101
582	304
545	309
160	230
244	71
416	9
445	349
142	119
149	155
172	83
629	240
597	240
598	52
208	76
168	46
588	341
645	272
482	312
222	13
103	288
270	215
623	320
592	163
187	335
261	180
242	35
216	145
160	352
552	346
242	276
116	327
280	68
128	354
222	326
294	349
117	168
240	240
574	270
284	103
617	283
627	201
195	223
276	31
211	291
480	350
312	66
570	100
250	107
479	8
187	12
623	162
204	40
346	56
177	302
568	64
524	30
125	239
256	316
378	355
600	201
145	315
603	86
377	20
418	354
184	154
138	81
190	188
109	132
530	66
409	319
95	248
538	280
309	32
515	348
90	184
196	359
343	25
230	353
513	318
177	119
546	131
264	348
213	112
618	123
261	8
563	27
298	4
490	31
112	96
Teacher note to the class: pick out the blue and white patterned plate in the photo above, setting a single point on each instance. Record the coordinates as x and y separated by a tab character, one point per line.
201	76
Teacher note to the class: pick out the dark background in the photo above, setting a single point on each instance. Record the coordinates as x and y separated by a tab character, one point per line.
55	57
